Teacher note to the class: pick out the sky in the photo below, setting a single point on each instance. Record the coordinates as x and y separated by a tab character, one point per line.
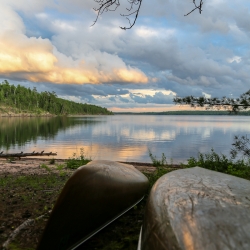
52	45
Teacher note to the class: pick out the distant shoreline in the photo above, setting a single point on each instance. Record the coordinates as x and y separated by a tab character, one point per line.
187	112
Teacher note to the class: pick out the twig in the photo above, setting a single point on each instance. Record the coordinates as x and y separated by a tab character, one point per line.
25	224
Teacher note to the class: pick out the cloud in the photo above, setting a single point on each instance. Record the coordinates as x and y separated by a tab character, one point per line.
38	60
50	44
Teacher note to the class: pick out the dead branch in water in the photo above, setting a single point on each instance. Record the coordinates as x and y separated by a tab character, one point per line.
19	155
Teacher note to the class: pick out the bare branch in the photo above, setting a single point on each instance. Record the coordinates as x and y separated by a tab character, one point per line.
136	15
133	10
199	7
112	5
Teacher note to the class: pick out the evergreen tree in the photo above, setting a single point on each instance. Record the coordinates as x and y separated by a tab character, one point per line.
27	100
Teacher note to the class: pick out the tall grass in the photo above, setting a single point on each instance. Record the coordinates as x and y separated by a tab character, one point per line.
221	163
238	164
77	161
161	166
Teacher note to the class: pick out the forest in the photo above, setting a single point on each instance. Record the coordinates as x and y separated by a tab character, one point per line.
24	100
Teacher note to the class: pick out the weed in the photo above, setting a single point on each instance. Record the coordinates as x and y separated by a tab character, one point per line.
221	163
62	173
156	162
76	161
45	167
161	169
52	161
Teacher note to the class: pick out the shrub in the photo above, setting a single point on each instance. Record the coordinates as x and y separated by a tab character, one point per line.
221	163
52	161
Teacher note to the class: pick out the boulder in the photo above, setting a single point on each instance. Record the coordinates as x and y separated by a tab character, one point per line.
197	209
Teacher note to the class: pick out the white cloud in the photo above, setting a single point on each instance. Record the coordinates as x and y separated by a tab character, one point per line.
236	59
206	95
149	92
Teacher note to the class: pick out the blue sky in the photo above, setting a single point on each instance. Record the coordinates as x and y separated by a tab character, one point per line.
51	45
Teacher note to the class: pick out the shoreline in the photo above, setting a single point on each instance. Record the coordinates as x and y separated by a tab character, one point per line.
34	166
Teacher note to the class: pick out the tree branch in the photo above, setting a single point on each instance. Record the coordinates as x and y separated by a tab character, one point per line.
230	104
199	7
133	11
25	224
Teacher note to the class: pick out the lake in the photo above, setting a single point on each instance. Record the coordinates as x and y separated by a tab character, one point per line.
123	137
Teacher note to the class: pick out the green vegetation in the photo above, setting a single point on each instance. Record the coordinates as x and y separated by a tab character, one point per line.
52	161
45	167
27	196
77	161
221	163
238	164
162	167
18	99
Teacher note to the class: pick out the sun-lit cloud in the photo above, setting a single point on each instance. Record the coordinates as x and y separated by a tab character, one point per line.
37	60
34	59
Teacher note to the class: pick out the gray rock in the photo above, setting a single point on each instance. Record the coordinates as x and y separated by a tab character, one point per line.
197	209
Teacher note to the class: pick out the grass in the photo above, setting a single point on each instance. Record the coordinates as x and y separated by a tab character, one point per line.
162	168
77	161
27	196
212	161
45	167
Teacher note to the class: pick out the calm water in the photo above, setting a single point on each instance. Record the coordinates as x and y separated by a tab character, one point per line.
123	137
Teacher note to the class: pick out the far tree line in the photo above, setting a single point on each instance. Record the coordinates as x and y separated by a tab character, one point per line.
29	100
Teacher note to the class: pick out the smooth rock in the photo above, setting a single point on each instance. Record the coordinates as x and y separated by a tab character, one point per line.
197	209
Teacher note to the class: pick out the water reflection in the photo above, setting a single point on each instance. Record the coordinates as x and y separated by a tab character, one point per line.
124	138
18	131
